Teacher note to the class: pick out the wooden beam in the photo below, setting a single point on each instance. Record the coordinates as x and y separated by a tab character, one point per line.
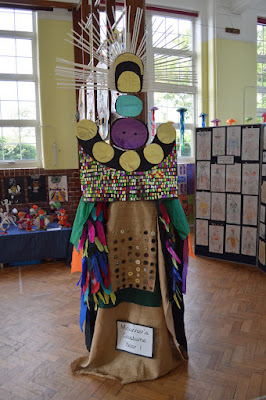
38	4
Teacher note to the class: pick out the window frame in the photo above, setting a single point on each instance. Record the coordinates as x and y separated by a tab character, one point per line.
181	88
34	77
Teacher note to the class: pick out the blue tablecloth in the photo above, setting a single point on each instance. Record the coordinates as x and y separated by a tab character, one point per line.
19	245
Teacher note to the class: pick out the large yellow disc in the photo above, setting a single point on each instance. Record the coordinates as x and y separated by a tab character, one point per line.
103	152
166	133
130	160
86	129
153	153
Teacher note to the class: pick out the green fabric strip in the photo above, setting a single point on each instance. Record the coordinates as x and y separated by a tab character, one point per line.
82	215
136	296
177	217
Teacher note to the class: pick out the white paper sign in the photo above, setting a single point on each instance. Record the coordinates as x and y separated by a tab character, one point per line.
135	339
225	159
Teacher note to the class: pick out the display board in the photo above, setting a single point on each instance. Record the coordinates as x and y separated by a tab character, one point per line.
228	164
262	240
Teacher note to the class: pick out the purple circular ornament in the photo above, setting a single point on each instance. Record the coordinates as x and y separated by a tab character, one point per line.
129	133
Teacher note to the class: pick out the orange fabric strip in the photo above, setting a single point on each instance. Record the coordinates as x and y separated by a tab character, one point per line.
76	264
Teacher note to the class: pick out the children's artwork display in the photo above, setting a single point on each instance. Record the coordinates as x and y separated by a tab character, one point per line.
233	208
14	189
229	206
218	141
250	210
233	141
218	206
232	239
216	239
250	144
202	228
217	178
57	188
204	145
233	178
36	185
203	175
203	205
250	179
262	208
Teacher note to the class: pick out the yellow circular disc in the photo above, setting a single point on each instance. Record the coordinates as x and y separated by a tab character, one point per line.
153	153
103	152
166	133
86	129
130	160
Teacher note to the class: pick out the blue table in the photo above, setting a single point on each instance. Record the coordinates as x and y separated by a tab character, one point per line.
20	246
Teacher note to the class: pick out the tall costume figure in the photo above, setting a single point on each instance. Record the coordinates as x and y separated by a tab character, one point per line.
130	235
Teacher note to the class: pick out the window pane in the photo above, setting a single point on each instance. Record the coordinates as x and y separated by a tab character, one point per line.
28	152
185	27
9	110
10	135
24	65
259	100
259	80
260	47
8	90
26	91
24	48
7	20
7	65
7	47
27	110
28	135
259	68
260	32
23	21
12	152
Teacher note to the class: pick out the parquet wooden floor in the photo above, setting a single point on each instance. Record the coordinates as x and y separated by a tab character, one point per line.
225	324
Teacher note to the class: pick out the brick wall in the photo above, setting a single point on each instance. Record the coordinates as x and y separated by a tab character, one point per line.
73	182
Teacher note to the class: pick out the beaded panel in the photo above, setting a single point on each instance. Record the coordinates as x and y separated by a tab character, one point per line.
100	183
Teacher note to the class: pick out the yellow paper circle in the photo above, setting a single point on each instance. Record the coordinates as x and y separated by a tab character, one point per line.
86	129
153	153
166	133
130	160
128	82
103	152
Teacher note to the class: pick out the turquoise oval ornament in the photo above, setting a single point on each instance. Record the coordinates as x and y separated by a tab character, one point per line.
128	106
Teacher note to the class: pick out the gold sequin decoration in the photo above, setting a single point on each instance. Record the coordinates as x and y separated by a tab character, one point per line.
129	160
86	129
166	133
103	152
153	153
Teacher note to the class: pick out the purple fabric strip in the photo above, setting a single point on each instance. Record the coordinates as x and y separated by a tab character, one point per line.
171	251
185	266
82	239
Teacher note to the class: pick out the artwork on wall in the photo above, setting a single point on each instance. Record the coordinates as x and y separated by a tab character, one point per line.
202	229
203	175
218	206
250	178
14	189
233	209
250	144
262	252
218	141
216	239
250	210
203	205
236	165
36	185
249	241
233	178
204	145
217	178
57	188
232	239
233	140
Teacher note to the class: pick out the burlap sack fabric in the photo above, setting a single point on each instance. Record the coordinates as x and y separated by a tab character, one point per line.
138	221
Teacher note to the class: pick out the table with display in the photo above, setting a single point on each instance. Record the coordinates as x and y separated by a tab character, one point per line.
19	245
